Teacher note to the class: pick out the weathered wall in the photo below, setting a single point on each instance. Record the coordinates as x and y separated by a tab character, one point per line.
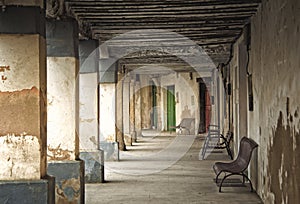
88	112
22	113
107	120
275	121
61	93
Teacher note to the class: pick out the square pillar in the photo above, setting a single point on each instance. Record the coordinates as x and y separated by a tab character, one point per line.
89	141
119	113
132	110
126	118
63	97
137	112
107	106
23	136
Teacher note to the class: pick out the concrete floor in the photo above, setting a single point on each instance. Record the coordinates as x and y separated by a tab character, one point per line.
142	177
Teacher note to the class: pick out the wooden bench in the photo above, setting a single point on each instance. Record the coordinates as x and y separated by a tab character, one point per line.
239	165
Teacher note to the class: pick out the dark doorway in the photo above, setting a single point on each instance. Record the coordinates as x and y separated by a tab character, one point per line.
204	106
154	104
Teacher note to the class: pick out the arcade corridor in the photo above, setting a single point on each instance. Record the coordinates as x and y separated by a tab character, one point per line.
92	86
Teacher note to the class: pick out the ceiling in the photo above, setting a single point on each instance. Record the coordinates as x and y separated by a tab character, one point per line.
164	32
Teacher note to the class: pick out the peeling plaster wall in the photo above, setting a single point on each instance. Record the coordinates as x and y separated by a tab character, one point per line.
20	157
107	112
88	112
22	102
61	93
275	121
16	51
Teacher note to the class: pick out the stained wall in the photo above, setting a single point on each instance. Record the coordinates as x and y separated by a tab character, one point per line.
275	122
22	102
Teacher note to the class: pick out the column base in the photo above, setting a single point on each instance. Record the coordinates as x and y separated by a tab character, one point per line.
94	166
69	180
128	139
31	191
133	136
111	150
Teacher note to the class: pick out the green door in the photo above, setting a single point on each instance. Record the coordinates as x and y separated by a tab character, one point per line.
171	117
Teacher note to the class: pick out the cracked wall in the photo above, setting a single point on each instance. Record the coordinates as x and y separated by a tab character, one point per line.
274	123
62	110
107	121
88	112
22	102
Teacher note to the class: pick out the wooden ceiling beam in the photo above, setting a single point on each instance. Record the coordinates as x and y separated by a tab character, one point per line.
133	13
158	3
171	41
156	36
179	26
176	18
144	31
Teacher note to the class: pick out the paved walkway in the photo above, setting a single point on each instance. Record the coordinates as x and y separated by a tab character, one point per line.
149	173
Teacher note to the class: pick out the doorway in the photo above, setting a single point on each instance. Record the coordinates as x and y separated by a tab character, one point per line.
154	106
204	106
171	114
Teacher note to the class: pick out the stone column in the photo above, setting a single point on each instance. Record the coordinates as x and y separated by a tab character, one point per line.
126	117
63	97
137	112
159	99
89	144
132	110
119	112
23	113
145	103
108	106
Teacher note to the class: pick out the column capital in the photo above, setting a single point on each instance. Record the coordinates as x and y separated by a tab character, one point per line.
62	38
56	9
60	9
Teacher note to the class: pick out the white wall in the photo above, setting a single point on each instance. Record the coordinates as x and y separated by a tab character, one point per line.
88	111
107	111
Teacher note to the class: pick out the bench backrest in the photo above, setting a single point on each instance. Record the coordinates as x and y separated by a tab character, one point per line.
247	146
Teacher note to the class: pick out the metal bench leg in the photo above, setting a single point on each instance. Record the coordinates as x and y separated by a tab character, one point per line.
220	187
228	150
245	176
217	177
206	142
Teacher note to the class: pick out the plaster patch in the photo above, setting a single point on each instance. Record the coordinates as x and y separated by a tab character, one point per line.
93	140
281	185
20	157
68	191
87	120
58	154
110	138
20	112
